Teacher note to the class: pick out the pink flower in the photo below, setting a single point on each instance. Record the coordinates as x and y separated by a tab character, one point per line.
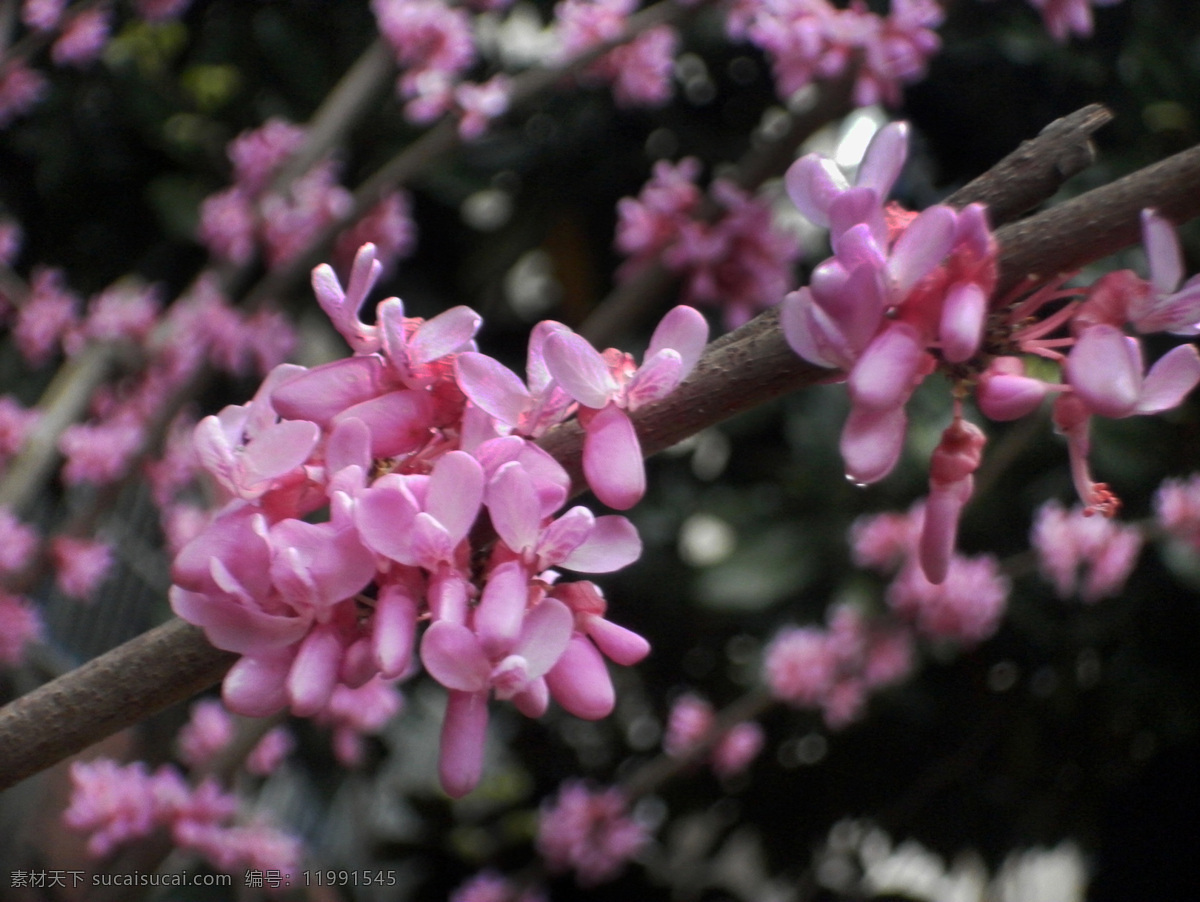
500	393
18	543
652	221
206	734
1105	368
81	565
741	262
21	89
510	652
100	453
1177	507
83	38
314	201
428	38
355	713
42	15
117	803
608	386
248	450
737	749
1093	555
162	10
589	832
388	227
46	318
966	606
1167	304
266	756
688	723
951	481
800	666
20	625
642	70
228	225
479	104
1066	17
258	154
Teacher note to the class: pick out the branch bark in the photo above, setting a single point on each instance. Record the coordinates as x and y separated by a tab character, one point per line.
741	370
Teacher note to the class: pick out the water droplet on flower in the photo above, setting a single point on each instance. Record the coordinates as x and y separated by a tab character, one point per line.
858	485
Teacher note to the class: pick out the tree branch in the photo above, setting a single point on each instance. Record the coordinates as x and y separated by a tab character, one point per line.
165	665
738	371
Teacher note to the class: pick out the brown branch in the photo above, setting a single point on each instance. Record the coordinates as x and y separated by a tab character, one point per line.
1100	222
1035	170
742	369
116	690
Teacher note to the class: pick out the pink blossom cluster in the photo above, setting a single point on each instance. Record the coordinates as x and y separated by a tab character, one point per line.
1064	18
200	329
403	445
1089	555
117	803
20	625
77	38
905	295
738	261
813	40
835	668
1177	508
590	832
689	725
434	46
80	564
211	729
354	713
640	70
489	886
249	216
965	607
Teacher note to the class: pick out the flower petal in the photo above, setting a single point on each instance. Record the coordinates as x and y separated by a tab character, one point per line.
454	657
579	369
612	459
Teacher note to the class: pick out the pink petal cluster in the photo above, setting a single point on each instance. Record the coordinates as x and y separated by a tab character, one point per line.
21	89
209	732
405	444
835	668
640	70
809	40
20	625
1177	508
1064	18
18	543
610	385
249	216
434	46
357	712
46	318
1077	553
589	831
116	804
80	565
488	886
965	607
689	724
907	294
83	37
738	260
16	421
